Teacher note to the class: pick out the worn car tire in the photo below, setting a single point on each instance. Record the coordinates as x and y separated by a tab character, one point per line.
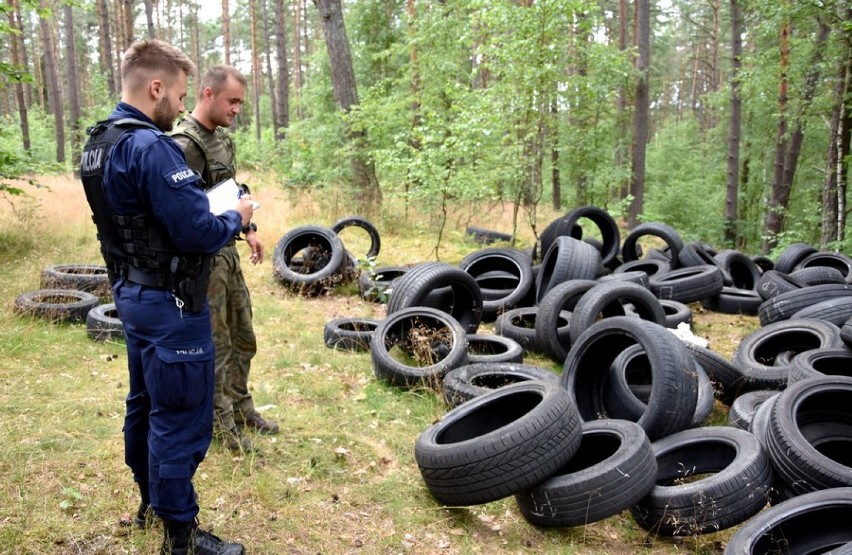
612	470
756	357
630	387
513	281
732	481
472	380
773	282
835	311
550	337
103	323
820	362
810	435
745	406
734	301
674	392
743	271
349	334
566	259
309	260
489	347
499	444
689	284
607	299
90	278
672	238
816	522
792	255
783	306
419	332
376	286
366	225
56	305
415	286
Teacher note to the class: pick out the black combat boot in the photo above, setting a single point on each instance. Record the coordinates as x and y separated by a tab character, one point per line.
144	514
185	538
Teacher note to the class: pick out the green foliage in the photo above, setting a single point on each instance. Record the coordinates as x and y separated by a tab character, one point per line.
685	183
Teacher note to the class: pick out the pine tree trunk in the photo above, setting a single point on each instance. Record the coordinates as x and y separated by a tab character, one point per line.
73	87
621	105
20	97
226	31
555	180
640	117
270	77
22	50
149	17
787	156
733	174
128	23
282	97
120	40
298	12
255	67
105	45
346	96
53	83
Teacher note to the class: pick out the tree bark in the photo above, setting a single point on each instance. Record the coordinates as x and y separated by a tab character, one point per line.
226	31
787	150
555	179
20	97
73	87
54	88
282	97
255	67
735	123
621	105
120	40
346	96
22	50
640	116
149	16
298	12
105	45
128	23
270	76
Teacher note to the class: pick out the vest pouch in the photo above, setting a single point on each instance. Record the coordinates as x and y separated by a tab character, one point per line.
192	289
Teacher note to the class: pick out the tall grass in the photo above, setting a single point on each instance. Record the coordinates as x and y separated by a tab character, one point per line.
339	478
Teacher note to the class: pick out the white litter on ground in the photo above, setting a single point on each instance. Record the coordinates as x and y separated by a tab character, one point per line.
684	332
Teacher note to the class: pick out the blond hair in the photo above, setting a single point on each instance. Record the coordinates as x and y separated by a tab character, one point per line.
152	59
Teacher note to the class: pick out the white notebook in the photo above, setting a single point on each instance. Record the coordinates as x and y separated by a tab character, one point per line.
223	197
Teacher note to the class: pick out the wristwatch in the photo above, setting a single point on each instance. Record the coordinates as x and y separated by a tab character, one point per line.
251	227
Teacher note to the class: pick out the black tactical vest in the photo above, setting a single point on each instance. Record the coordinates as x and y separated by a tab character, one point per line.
136	247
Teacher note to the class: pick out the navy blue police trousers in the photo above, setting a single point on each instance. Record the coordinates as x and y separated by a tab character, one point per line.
169	421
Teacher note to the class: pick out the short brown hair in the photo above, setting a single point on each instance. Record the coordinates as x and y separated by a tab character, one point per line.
149	58
216	76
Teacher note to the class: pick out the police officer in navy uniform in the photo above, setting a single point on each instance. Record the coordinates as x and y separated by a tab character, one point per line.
157	234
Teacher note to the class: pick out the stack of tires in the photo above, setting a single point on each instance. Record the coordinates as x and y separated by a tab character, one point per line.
73	293
311	260
624	427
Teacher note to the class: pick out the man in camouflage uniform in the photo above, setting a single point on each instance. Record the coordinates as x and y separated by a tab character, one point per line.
210	151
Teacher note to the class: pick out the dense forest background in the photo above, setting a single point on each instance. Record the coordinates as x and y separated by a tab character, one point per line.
728	120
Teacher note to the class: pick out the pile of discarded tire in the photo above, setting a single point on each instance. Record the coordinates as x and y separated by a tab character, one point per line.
72	293
311	260
624	425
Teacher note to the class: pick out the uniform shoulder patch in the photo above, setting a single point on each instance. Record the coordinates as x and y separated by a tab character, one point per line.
179	176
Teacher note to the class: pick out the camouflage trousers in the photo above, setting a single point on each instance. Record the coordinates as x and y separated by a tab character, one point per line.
233	338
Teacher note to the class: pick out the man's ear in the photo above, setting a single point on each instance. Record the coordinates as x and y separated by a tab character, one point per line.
157	89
